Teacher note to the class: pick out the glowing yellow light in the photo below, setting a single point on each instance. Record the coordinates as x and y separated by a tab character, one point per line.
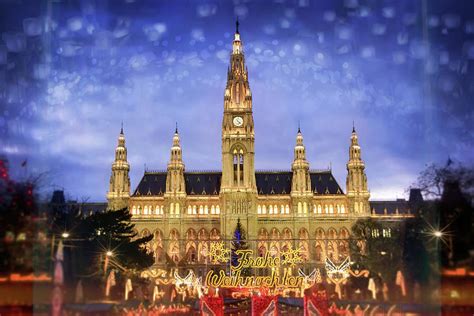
438	234
109	253
65	235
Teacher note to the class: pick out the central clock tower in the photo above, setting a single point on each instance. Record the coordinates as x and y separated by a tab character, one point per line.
238	187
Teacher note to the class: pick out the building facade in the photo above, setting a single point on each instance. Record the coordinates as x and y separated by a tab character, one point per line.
186	210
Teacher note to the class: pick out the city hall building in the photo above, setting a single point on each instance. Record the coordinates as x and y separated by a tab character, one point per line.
185	210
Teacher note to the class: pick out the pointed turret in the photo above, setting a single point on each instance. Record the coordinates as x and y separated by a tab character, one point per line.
119	188
237	44
175	194
175	178
301	183
237	93
356	183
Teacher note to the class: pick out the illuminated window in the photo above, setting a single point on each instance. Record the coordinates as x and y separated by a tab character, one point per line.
177	209
343	209
213	209
299	208
287	209
172	208
259	209
331	209
134	210
320	210
270	209
264	209
326	209
386	233
190	210
305	207
206	211
238	159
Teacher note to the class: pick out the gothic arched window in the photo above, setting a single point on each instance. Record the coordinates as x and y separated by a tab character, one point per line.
238	159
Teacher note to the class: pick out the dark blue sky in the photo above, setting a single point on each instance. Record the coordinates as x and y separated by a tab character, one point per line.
71	71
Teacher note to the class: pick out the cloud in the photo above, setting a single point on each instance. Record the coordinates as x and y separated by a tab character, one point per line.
65	103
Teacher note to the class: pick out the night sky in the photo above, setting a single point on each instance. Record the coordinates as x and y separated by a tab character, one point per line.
71	71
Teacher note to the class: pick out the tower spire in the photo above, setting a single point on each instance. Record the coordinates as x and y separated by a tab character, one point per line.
237	44
301	182
119	188
356	182
238	190
175	186
353	127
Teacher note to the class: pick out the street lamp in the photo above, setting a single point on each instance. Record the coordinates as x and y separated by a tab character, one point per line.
438	234
65	235
109	253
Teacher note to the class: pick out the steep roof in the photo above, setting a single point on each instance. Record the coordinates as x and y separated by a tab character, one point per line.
209	183
400	206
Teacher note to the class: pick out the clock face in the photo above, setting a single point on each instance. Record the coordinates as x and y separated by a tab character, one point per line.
238	121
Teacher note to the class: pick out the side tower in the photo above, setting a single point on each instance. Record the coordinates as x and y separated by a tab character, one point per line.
119	188
356	183
175	194
238	186
301	194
